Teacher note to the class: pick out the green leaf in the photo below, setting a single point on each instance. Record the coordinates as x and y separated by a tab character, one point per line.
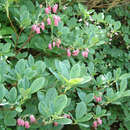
117	25
123	85
80	110
83	125
89	98
75	71
64	121
75	81
10	121
12	95
37	85
82	95
43	109
125	76
60	103
85	118
98	111
2	91
126	93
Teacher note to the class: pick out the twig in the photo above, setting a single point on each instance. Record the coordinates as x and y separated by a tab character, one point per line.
25	43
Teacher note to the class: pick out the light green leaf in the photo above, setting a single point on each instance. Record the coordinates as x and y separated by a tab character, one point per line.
81	110
75	71
60	103
64	121
85	118
37	84
123	85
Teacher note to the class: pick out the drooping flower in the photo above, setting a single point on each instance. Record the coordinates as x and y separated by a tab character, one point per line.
85	54
75	52
47	10
32	119
68	52
55	7
54	44
27	125
58	42
49	7
34	26
48	21
55	123
42	25
99	121
95	124
50	46
37	30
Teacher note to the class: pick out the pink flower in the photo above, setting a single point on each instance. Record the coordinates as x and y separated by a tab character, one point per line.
54	44
68	52
58	43
75	52
32	119
55	7
99	121
49	7
48	21
100	99
55	123
42	26
85	54
50	46
37	30
47	10
67	116
22	123
95	124
27	125
34	26
56	22
19	122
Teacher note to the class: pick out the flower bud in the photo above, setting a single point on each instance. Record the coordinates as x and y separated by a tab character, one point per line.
75	52
68	52
95	124
55	123
48	21
50	46
99	121
32	119
42	26
34	26
37	30
27	125
55	7
47	10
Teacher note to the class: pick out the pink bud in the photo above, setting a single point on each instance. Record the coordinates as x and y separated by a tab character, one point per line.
57	18
68	52
47	10
55	123
48	21
85	54
75	52
42	26
27	124
50	46
97	99
32	119
58	43
22	122
56	22
99	121
19	122
54	44
49	7
95	124
37	30
34	26
55	7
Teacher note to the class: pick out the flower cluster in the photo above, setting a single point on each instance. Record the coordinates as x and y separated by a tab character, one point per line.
98	99
97	122
26	124
76	52
56	19
56	43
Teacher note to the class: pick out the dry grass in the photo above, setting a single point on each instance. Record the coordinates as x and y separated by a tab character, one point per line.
108	4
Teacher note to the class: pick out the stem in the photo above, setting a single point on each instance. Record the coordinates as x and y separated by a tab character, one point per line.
18	37
25	43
